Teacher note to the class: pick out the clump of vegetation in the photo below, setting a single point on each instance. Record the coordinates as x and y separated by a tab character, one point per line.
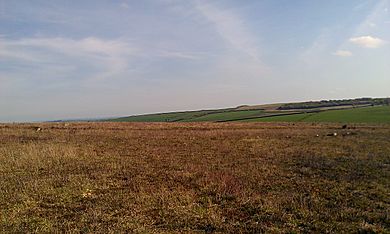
164	178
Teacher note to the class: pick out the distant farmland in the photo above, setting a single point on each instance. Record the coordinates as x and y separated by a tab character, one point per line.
376	114
349	111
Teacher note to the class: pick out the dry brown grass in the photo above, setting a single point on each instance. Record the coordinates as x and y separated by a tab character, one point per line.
156	178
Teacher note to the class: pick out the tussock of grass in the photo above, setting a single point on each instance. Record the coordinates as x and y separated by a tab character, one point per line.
121	177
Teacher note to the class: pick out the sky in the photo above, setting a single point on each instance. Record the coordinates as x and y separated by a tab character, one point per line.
103	58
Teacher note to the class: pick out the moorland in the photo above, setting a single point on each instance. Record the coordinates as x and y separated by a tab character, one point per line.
109	177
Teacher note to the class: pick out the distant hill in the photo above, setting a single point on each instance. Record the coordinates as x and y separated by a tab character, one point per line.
368	114
275	112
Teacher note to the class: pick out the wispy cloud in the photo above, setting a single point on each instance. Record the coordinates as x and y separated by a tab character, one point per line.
231	28
312	54
343	53
105	58
177	55
90	46
368	41
374	20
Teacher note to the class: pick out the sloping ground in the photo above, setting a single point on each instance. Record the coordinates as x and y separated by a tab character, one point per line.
364	114
168	117
375	114
230	115
218	115
266	107
194	116
164	117
317	111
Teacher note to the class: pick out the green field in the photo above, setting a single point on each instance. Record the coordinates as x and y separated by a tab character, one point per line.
376	114
272	113
228	116
195	116
164	117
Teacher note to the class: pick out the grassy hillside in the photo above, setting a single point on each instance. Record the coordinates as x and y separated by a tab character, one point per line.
230	115
167	117
195	116
375	114
353	110
372	114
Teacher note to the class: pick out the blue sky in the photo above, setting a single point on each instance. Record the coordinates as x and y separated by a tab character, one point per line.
76	59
